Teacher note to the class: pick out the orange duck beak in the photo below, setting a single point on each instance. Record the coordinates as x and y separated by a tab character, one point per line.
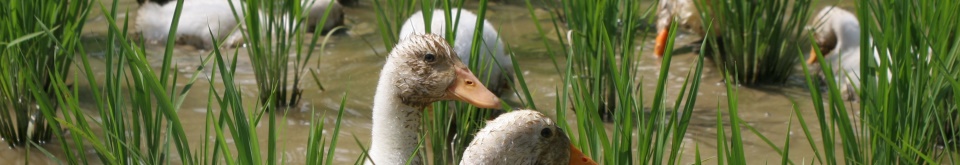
578	158
467	88
661	43
813	56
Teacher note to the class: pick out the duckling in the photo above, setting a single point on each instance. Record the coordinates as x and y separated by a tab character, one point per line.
199	19
522	137
421	69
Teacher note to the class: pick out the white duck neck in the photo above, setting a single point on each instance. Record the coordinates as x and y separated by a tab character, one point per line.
396	126
847	29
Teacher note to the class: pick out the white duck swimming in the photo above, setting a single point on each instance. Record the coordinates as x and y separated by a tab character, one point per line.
317	9
522	137
496	67
197	20
837	33
420	70
687	18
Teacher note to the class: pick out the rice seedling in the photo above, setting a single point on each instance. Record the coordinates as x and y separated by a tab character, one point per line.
756	41
275	36
135	120
600	76
731	151
917	103
37	44
241	124
597	40
389	26
908	111
135	108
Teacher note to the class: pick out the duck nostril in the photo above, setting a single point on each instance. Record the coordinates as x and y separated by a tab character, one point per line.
469	82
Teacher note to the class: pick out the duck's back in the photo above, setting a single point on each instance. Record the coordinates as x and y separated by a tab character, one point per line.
686	13
197	20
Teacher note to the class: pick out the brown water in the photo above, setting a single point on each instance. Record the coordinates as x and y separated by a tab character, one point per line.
349	65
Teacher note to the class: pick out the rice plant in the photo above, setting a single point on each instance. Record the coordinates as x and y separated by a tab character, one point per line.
135	107
241	122
135	120
600	76
276	39
908	111
598	38
918	101
389	18
37	44
756	40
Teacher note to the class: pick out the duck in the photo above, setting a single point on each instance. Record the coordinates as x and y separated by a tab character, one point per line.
837	33
496	66
317	9
200	21
201	17
523	137
420	70
687	18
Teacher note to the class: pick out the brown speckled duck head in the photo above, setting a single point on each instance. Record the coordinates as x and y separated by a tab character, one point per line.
426	69
420	70
523	137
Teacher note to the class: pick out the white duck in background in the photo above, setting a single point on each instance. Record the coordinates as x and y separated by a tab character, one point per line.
522	137
198	19
317	9
837	33
420	70
687	18
496	67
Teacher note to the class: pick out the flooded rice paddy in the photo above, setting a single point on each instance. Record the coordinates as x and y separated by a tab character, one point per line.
350	65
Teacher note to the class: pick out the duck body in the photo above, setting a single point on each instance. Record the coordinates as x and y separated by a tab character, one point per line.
523	137
686	13
317	9
687	19
198	19
496	68
420	70
837	33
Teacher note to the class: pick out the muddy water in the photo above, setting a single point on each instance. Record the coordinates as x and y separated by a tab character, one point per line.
349	67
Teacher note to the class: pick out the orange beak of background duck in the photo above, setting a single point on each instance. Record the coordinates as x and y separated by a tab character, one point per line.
661	43
813	56
466	87
578	158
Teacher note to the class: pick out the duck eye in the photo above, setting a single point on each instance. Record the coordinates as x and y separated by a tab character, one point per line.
546	133
429	57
